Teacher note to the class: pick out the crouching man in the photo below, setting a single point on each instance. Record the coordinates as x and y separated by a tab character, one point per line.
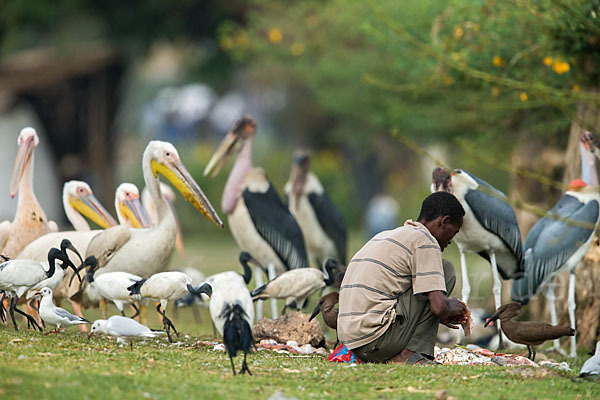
394	292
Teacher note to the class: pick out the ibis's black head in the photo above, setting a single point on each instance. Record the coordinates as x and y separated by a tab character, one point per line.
65	245
246	258
91	262
205	288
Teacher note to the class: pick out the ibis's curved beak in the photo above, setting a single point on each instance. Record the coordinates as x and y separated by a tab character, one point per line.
205	288
90	207
24	156
179	176
222	154
133	212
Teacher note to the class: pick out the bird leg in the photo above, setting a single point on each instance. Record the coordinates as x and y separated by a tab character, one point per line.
273	275
137	311
553	318
232	366
3	313
466	287
245	367
77	311
130	344
258	280
571	306
167	324
497	290
196	314
11	311
103	307
30	320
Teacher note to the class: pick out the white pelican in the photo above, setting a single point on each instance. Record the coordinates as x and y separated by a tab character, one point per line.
321	222
79	201
232	314
150	209
259	221
128	207
30	221
146	251
559	240
56	316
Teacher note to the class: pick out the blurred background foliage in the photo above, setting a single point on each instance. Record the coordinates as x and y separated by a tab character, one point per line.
338	77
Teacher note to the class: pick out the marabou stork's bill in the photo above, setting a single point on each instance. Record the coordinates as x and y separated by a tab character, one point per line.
30	221
146	251
559	240
232	314
56	316
297	285
321	222
19	276
259	221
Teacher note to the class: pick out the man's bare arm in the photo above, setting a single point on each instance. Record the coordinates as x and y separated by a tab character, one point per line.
450	310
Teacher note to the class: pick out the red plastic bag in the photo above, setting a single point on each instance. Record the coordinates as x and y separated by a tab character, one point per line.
342	354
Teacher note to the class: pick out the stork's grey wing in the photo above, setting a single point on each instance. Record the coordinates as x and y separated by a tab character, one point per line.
565	230
62	313
277	226
331	221
493	212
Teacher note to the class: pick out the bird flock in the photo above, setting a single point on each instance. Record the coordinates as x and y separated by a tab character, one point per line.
298	243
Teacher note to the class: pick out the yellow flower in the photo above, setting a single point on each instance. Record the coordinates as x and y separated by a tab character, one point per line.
226	43
297	49
458	31
498	61
576	88
523	96
495	91
275	35
547	61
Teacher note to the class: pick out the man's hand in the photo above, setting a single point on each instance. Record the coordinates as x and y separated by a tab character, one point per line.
451	311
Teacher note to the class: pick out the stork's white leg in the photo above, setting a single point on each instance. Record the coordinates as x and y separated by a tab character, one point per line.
258	279
572	307
466	287
273	275
497	290
552	307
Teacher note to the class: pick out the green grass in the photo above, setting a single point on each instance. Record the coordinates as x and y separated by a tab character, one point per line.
68	366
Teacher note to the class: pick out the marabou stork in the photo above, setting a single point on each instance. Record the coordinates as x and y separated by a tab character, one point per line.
559	240
259	221
321	222
489	228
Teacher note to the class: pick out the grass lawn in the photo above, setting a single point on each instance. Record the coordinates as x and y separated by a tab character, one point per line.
33	366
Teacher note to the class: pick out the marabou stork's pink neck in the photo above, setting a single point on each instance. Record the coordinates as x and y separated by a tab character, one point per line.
588	167
241	167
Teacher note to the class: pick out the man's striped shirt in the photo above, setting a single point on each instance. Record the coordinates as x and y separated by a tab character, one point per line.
385	267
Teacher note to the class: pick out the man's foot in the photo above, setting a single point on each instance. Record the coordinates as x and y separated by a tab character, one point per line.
409	357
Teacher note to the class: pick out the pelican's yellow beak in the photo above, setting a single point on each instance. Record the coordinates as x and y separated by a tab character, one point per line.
23	158
224	151
91	208
133	212
178	175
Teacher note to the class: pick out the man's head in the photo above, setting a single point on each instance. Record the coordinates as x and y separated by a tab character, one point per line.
442	214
